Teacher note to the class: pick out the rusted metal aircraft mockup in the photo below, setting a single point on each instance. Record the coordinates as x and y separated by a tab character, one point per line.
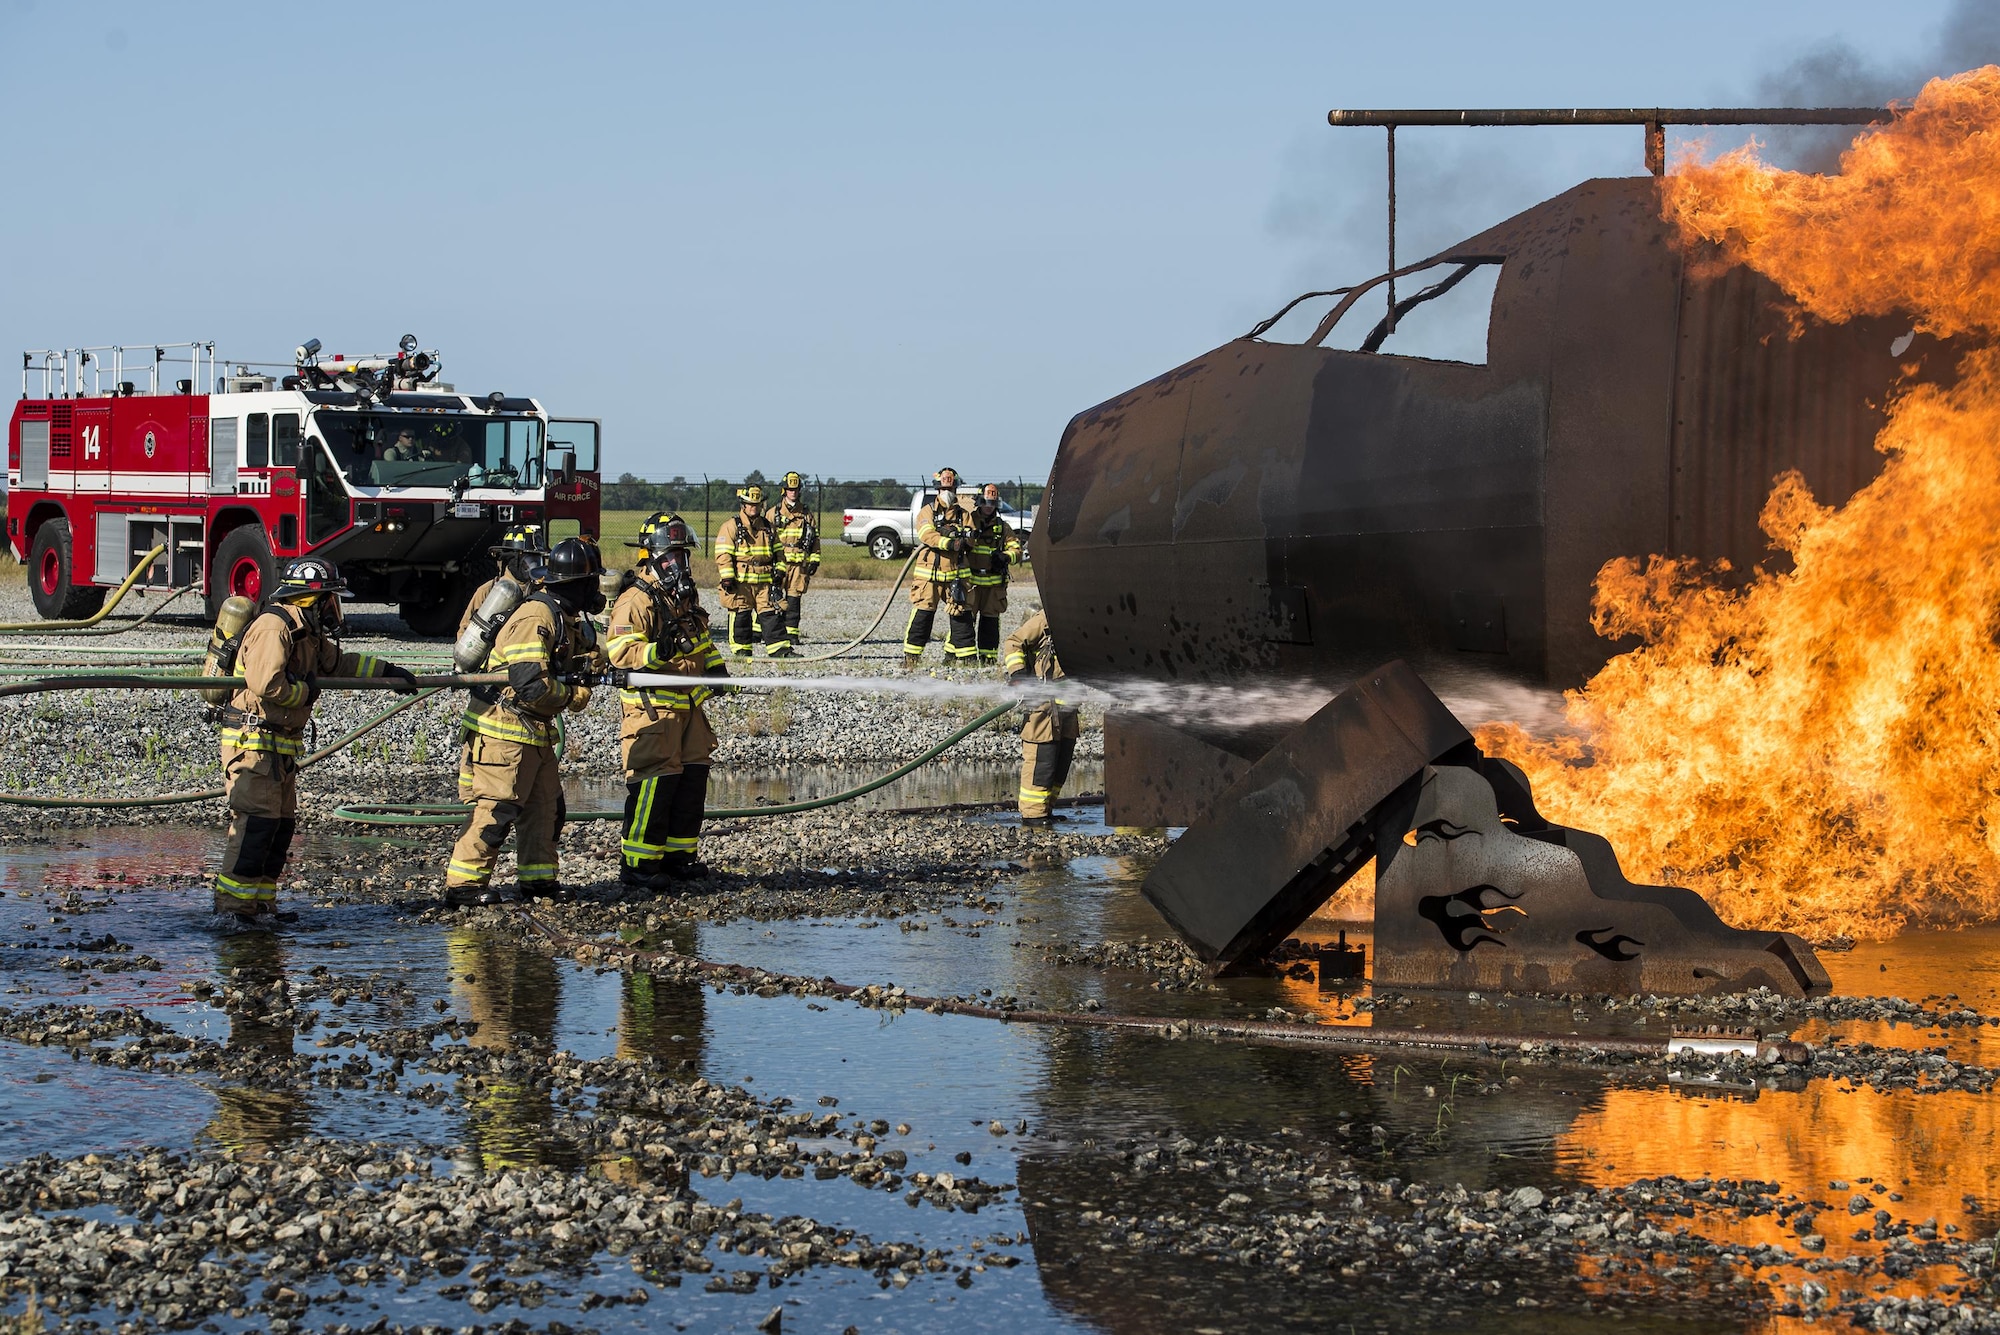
1289	515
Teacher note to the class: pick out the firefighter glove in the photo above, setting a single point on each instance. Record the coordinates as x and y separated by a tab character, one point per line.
1016	678
579	698
729	586
406	680
959	546
312	689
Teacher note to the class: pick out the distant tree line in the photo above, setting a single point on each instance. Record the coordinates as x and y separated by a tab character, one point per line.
631	492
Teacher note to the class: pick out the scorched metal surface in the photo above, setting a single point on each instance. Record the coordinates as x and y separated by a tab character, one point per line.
1289	514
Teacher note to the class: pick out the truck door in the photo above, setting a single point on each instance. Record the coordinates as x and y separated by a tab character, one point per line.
573	510
222	433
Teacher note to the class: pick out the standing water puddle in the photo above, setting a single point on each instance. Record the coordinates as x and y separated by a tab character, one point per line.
1041	1108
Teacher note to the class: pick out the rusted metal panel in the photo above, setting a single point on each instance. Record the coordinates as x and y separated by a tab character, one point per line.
1156	775
1473	887
1759	390
1288	515
1465	899
1297	825
1605	469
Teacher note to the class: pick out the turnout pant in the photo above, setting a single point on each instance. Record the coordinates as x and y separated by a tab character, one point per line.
1048	743
798	579
755	614
960	626
663	818
262	789
989	601
666	754
512	786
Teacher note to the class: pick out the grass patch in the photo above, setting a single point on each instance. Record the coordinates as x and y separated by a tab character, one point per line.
29	1322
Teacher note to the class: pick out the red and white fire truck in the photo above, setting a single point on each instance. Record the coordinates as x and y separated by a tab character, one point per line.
371	461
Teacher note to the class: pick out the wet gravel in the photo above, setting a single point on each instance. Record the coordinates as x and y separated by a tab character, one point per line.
632	1197
109	743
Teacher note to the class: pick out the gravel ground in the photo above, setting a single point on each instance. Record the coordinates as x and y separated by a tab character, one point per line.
104	743
173	1237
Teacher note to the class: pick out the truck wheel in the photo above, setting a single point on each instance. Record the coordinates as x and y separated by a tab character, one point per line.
243	565
439	617
52	576
884	545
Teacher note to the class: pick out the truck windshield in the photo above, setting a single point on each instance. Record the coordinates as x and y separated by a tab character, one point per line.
434	449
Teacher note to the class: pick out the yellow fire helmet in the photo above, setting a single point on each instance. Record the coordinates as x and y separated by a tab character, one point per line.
794	482
751	495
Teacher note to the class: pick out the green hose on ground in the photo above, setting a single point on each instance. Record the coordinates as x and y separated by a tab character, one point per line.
451	813
887	603
340	743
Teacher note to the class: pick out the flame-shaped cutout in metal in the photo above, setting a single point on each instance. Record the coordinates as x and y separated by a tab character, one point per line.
1462	917
1613	944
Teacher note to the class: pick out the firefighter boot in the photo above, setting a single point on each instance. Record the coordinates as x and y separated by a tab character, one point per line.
685	867
910	661
236	906
651	878
472	896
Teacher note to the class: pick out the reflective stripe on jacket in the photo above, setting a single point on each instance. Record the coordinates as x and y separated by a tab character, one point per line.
934	562
991	540
531	648
279	652
746	550
1031	648
634	643
791	528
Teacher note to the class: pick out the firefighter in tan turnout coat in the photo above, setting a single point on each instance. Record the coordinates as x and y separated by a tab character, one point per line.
658	625
996	547
510	772
942	577
284	652
798	543
1048	737
749	571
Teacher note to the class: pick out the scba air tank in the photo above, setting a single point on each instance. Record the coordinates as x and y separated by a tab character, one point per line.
477	642
224	641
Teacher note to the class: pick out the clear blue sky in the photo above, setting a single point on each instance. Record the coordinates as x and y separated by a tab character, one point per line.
852	239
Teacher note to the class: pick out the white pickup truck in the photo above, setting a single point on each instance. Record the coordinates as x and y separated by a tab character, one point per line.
888	534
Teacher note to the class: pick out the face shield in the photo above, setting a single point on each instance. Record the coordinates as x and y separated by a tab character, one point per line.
675	567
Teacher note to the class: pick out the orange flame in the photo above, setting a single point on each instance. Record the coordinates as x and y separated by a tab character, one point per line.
1820	750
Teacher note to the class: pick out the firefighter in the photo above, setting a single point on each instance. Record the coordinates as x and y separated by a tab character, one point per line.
658	625
285	651
1048	736
944	537
749	566
519	550
995	548
798	536
510	763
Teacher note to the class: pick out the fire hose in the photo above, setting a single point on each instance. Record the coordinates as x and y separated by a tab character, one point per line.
36	627
451	813
339	744
404	814
887	603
